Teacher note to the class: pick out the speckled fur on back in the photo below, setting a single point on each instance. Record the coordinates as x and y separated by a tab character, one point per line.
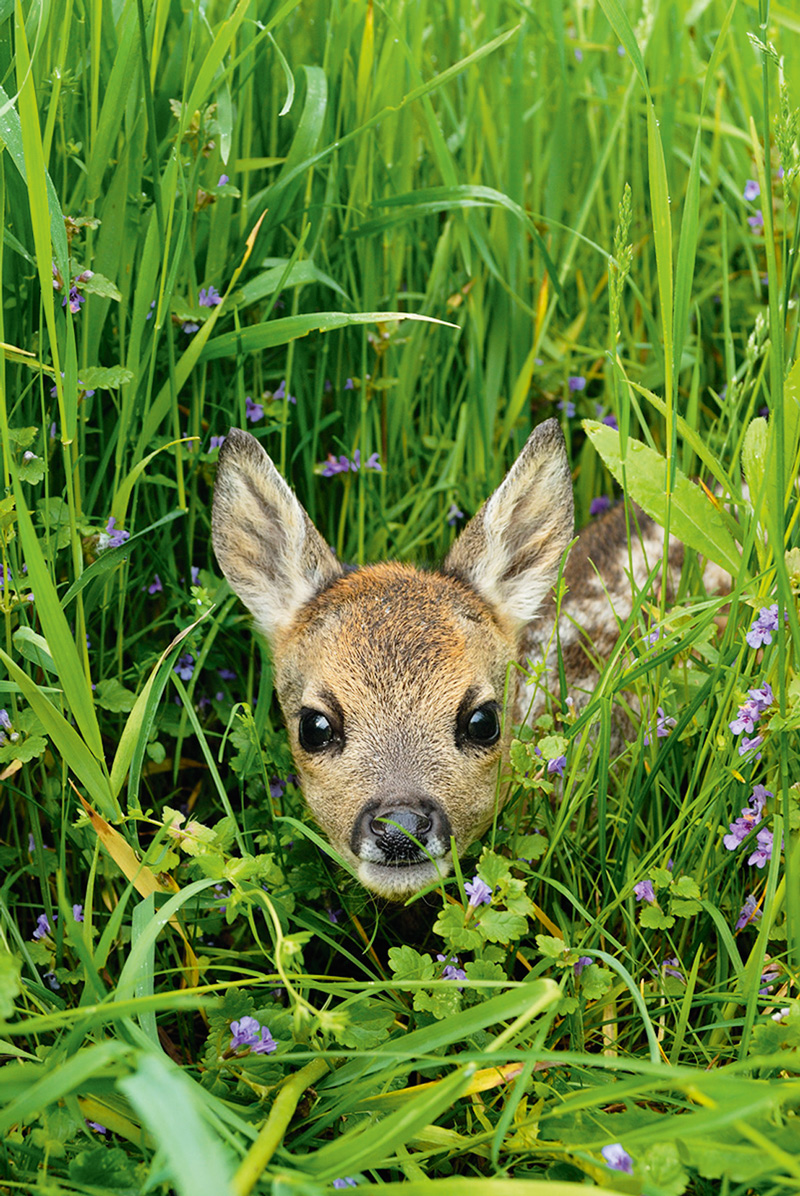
392	679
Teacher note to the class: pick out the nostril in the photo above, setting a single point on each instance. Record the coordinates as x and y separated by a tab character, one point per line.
395	822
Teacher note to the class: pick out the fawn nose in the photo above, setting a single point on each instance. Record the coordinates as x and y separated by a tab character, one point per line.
401	831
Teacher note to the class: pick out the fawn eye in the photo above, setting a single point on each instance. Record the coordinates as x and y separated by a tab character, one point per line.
315	731
483	725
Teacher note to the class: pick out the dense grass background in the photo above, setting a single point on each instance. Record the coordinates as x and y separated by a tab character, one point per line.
310	165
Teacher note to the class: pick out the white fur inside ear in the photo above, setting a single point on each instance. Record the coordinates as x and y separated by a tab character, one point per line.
267	547
510	552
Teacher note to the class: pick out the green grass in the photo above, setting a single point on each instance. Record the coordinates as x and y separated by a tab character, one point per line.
467	163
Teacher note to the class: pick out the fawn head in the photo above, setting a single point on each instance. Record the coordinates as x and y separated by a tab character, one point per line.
391	679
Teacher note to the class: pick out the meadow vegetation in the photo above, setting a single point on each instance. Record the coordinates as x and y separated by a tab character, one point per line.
219	212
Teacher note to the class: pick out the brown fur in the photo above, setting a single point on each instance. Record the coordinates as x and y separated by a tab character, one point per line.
406	670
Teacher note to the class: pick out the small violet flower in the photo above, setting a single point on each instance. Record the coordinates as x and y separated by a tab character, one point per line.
478	891
670	968
454	514
216	442
222	180
751	190
761	629
600	504
97	1127
617	1158
185	666
558	765
345	1181
451	971
43	928
748	913
582	963
568	407
281	394
210	297
156	585
664	725
576	382
253	411
112	537
244	1032
644	892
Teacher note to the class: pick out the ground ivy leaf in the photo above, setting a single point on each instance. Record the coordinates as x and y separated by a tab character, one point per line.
408	964
493	869
595	981
550	946
654	917
104	1168
441	1002
684	909
531	847
687	887
368	1024
450	925
10	984
501	926
112	695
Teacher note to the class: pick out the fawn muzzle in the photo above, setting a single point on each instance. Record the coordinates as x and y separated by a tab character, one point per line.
401	832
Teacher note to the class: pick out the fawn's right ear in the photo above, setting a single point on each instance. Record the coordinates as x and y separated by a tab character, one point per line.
267	547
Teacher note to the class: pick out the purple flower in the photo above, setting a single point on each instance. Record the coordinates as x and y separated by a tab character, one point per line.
155	586
97	1127
644	891
763	853
654	636
582	963
209	298
750	817
748	913
617	1159
75	300
373	462
5	721
451	971
226	674
568	407
281	393
349	384
576	382
335	465
189	326
664	725
453	514
746	719
611	422
345	1181
557	765
578	54
244	1033
253	411
222	180
761	629
600	504
112	537
216	442
334	915
149	315
478	891
77	913
266	1045
750	745
751	190
756	222
768	978
670	968
43	928
185	666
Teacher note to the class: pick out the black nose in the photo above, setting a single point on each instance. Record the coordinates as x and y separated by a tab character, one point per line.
401	831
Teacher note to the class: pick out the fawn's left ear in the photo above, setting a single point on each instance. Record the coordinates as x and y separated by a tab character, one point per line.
510	551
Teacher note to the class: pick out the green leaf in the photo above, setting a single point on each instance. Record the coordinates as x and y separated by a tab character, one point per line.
493	869
687	887
31	471
112	695
500	925
368	1024
530	847
653	917
104	1169
693	517
441	1001
408	964
595	982
450	925
685	909
105	377
98	284
550	946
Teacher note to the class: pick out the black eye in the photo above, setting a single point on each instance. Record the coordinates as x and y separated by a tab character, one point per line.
315	731
483	725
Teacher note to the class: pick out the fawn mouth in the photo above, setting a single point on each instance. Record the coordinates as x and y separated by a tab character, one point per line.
402	878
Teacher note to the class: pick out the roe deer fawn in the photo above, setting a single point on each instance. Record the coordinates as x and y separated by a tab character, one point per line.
391	679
